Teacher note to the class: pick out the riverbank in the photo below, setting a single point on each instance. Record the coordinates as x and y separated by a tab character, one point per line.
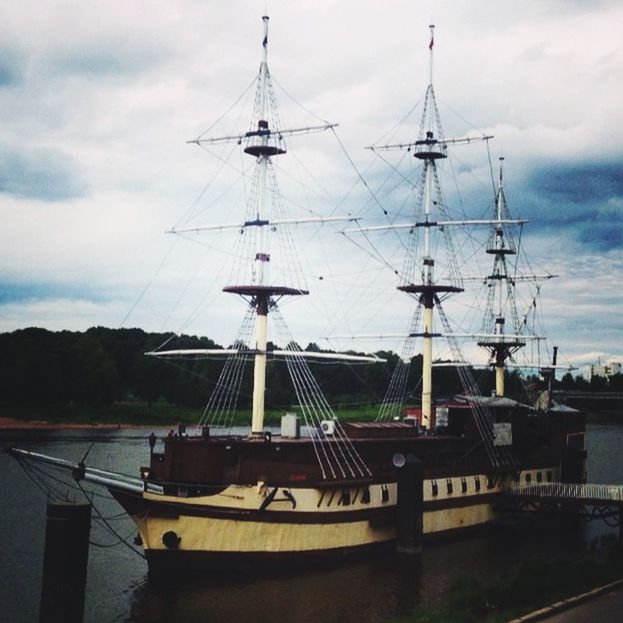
533	587
133	414
138	414
14	424
113	416
600	604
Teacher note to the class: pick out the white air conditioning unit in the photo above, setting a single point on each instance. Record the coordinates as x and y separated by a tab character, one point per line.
327	427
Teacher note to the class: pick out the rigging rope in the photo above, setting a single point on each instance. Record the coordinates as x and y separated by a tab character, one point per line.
48	487
499	456
147	286
337	456
222	404
230	108
110	528
391	407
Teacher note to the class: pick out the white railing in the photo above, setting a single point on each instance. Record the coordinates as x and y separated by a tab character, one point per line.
601	493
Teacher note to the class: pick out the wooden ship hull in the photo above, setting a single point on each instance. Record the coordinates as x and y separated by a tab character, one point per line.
230	504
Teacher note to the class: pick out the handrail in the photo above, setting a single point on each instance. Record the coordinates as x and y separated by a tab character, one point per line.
567	491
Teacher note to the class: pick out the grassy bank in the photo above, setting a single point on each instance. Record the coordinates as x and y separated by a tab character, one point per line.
534	585
137	413
130	413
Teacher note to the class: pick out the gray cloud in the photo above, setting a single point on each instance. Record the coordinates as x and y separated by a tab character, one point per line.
44	174
583	200
605	235
11	66
12	292
110	59
578	183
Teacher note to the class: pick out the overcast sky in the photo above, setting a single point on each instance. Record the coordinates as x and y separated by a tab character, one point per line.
97	100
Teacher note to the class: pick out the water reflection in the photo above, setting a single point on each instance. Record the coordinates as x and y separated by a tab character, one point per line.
371	591
391	586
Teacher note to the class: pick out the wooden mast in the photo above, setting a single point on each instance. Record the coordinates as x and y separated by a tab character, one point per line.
262	146
500	346
428	149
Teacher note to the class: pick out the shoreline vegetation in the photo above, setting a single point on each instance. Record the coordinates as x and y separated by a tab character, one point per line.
102	376
141	414
535	584
137	414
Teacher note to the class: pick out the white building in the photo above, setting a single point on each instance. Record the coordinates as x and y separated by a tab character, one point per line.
606	371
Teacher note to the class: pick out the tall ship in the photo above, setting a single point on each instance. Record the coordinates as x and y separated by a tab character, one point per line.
319	488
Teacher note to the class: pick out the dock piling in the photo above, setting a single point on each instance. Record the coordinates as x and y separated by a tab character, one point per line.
409	522
65	562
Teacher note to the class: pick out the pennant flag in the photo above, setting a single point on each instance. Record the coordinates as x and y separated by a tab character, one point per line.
430	45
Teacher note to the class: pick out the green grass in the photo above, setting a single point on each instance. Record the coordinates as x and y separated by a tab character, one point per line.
129	413
141	413
535	584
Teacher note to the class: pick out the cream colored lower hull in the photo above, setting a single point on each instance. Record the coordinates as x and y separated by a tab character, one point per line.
451	519
317	521
199	534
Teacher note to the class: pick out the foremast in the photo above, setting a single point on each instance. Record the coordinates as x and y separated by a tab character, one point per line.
262	279
263	145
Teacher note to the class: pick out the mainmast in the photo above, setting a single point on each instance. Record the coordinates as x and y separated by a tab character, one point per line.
429	148
431	273
420	276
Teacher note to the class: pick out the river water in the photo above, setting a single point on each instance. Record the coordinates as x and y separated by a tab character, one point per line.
365	592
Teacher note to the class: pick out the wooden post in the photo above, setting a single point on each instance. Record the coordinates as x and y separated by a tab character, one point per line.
409	505
65	562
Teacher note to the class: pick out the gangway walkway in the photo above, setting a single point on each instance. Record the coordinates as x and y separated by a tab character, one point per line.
588	500
584	493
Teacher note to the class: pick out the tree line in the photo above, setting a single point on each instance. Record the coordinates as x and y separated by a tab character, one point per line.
102	366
